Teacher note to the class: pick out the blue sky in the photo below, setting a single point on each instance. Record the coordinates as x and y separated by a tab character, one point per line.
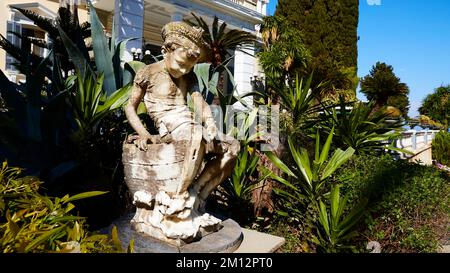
411	35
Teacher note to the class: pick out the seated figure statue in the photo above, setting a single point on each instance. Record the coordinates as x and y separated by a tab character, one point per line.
165	172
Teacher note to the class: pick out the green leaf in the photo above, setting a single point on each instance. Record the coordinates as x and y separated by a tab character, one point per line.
326	147
123	77
142	109
202	72
323	218
283	181
103	57
275	160
352	218
339	157
85	195
116	100
334	200
75	54
116	240
317	148
305	166
134	66
212	84
68	218
130	248
43	238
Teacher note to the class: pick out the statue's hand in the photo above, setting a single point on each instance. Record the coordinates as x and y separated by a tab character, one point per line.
211	130
142	140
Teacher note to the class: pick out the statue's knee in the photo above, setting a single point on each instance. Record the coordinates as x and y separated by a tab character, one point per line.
234	149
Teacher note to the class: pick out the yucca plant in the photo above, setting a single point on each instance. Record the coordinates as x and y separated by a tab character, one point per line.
238	189
310	176
336	225
90	101
356	126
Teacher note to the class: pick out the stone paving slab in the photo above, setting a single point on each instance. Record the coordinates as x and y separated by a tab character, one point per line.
444	249
258	242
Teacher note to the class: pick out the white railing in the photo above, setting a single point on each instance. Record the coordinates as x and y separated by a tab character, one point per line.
414	140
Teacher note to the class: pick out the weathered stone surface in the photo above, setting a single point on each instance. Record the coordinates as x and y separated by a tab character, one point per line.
168	186
226	240
158	168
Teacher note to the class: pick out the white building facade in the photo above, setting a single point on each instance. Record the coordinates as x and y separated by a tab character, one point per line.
145	18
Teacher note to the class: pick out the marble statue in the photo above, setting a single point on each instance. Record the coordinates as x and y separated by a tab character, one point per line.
167	173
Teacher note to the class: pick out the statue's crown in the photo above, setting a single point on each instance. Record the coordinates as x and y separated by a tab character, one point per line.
179	30
183	30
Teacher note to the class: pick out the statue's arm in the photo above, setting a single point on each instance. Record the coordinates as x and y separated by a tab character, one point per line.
137	93
206	115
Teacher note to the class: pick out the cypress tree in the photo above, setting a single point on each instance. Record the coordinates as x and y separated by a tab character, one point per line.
330	34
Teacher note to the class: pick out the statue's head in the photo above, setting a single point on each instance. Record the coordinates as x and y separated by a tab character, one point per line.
183	47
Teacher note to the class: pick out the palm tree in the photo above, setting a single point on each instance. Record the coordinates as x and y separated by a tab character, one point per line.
271	28
221	41
381	84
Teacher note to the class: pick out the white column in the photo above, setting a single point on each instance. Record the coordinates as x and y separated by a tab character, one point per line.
259	6
264	6
243	70
129	21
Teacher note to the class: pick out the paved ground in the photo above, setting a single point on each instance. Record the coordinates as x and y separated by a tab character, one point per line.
258	242
445	249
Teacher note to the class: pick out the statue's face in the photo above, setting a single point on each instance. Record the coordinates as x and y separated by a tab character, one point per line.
180	60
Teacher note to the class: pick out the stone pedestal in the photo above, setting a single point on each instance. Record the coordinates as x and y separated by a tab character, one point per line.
226	240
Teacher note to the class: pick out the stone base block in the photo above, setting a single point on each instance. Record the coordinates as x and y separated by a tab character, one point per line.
226	240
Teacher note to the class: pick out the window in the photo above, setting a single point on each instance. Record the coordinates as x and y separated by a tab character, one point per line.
13	39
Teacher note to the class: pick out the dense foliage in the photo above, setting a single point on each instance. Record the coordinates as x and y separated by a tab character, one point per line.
284	54
441	148
437	106
31	222
409	204
329	31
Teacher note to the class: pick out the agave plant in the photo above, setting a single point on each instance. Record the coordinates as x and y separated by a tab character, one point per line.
107	57
304	192
65	20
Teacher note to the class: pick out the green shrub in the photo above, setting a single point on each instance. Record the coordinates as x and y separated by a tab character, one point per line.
407	202
31	222
441	148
